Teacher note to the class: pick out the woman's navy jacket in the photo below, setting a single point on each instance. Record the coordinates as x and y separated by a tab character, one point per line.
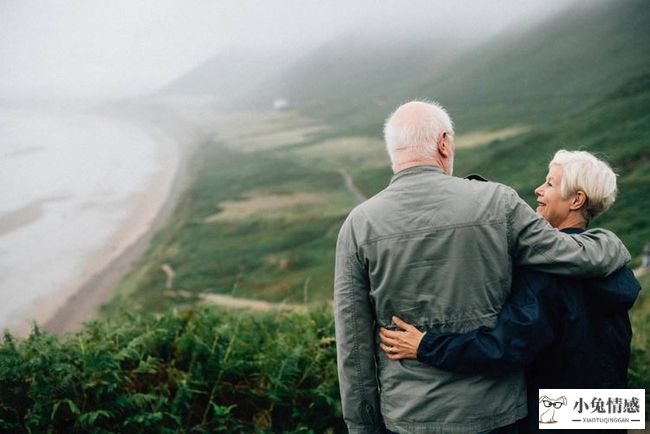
567	333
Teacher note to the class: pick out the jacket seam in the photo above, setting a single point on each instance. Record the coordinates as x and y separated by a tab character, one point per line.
355	336
364	405
431	229
511	414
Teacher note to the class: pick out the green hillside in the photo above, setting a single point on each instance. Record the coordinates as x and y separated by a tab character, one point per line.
552	71
262	219
528	75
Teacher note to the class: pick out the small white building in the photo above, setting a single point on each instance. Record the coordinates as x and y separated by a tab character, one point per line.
280	104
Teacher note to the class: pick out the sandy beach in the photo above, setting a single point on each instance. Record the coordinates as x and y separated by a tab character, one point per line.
79	297
82	296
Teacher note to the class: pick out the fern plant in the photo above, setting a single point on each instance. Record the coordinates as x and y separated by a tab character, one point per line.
197	371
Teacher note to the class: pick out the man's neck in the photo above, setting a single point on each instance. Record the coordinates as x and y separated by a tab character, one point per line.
403	165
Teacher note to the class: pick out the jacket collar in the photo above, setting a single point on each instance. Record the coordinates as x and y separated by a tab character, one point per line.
415	170
572	231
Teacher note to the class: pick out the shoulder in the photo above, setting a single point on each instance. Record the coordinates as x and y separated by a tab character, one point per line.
500	195
371	207
478	182
356	222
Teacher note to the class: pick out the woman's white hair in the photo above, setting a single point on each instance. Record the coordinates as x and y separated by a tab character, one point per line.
420	135
582	171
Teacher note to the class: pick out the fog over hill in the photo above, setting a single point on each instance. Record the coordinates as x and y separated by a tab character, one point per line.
81	48
534	71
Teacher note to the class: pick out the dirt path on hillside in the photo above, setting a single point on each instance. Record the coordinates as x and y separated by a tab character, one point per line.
352	188
247	303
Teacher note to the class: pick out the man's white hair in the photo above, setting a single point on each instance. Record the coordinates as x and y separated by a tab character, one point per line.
582	171
419	135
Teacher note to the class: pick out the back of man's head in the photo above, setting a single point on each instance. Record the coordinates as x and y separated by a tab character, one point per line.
416	127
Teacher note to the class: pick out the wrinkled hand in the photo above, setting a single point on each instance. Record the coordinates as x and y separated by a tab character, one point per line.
400	344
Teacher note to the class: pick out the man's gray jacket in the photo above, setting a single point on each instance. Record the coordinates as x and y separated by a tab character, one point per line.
438	252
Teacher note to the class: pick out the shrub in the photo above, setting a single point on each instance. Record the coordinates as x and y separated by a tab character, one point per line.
197	371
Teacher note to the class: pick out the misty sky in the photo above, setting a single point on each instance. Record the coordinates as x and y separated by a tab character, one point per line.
51	48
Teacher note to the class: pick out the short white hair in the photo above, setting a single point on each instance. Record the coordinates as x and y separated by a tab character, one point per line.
582	171
420	136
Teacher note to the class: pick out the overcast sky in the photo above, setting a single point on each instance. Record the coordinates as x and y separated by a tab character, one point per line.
122	47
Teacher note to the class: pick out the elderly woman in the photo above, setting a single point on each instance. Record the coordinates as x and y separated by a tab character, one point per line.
567	333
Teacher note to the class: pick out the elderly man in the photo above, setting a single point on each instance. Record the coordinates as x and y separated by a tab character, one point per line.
458	239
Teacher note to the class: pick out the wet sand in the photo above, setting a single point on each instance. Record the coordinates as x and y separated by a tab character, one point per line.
82	296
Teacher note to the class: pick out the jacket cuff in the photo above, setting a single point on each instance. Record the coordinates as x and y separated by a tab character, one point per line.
425	346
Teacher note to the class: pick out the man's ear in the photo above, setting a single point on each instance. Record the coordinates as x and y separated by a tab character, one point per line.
444	147
579	200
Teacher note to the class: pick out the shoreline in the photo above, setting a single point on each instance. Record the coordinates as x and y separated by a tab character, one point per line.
84	294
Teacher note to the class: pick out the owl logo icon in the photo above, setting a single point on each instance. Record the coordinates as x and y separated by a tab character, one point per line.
549	405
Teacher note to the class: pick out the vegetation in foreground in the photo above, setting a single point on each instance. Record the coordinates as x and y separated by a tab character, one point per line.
199	371
639	370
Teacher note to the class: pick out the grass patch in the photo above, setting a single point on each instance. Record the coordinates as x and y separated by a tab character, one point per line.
639	372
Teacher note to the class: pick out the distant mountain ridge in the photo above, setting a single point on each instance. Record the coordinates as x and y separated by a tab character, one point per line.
532	74
229	78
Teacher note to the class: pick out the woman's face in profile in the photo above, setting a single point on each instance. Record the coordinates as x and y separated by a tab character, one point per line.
550	203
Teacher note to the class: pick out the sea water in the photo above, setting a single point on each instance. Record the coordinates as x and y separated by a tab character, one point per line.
67	179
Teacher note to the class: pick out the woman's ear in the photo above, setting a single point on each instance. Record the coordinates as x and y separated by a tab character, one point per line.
579	200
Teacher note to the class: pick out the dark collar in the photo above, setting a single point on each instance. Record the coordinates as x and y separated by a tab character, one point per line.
572	230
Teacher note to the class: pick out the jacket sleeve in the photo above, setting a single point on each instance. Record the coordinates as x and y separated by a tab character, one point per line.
616	291
523	329
533	242
355	339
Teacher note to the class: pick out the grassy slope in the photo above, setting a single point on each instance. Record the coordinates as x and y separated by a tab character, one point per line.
639	371
287	254
551	71
531	75
265	250
281	255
